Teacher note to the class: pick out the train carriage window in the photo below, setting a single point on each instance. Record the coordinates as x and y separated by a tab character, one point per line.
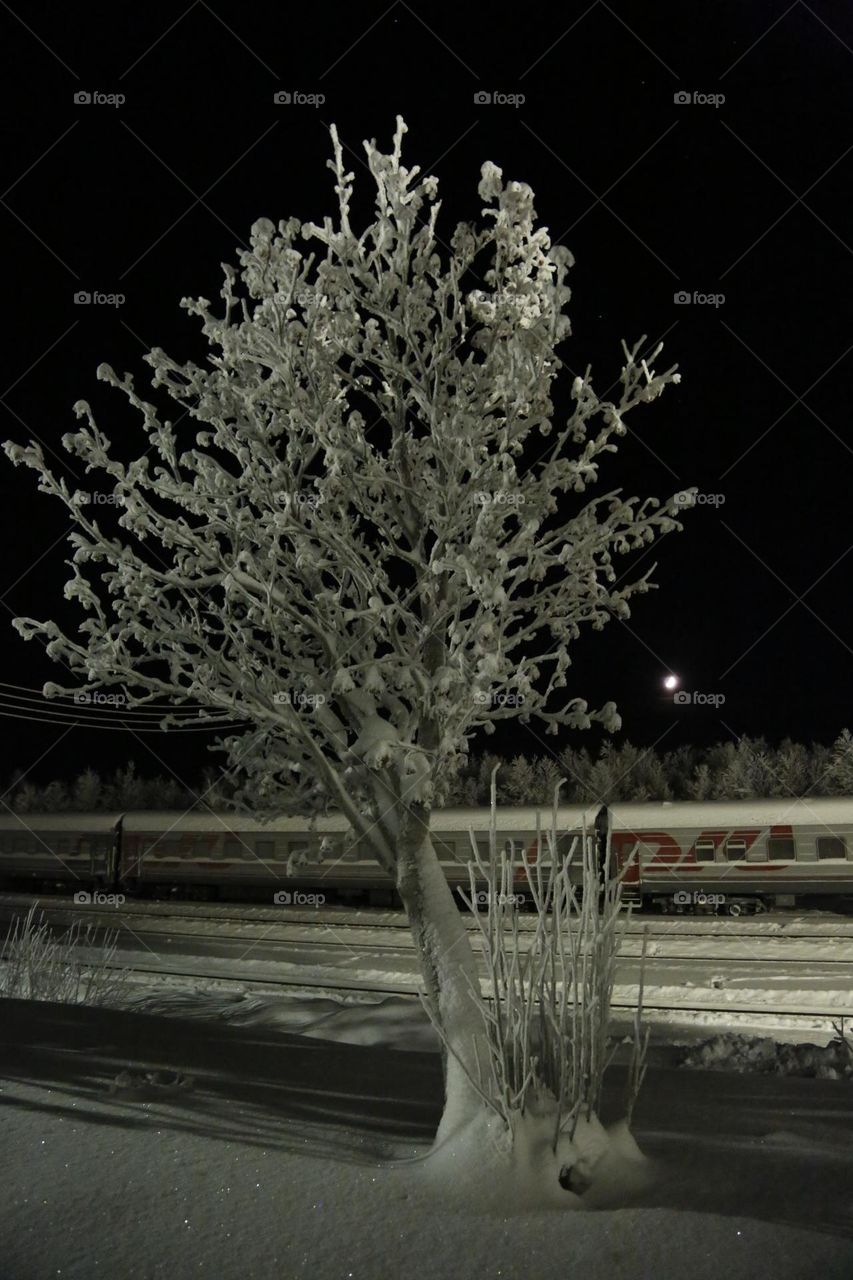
735	850
348	847
445	850
265	850
483	849
170	845
781	849
536	850
214	852
705	851
514	844
571	842
316	846
831	847
305	850
153	848
329	849
462	845
237	850
568	842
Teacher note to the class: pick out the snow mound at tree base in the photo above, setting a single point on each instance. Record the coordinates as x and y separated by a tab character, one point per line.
488	1169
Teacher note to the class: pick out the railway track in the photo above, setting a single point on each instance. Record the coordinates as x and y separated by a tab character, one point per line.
177	921
385	947
777	927
172	927
759	1014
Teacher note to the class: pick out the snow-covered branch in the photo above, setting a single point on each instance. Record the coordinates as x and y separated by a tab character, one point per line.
379	526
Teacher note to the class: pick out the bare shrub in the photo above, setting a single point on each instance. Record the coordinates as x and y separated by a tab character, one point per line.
35	965
548	1025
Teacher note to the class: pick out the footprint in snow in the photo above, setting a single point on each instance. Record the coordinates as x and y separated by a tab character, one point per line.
150	1083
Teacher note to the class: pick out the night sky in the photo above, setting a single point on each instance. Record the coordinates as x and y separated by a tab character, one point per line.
738	198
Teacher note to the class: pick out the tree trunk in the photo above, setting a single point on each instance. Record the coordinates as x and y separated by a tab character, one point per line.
449	969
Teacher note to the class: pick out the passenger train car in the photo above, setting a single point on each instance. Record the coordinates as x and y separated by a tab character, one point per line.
720	856
736	853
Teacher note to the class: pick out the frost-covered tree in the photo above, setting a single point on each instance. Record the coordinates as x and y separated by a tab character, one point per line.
487	764
820	761
546	776
16	779
87	792
839	776
701	785
747	771
54	797
576	765
604	777
792	768
520	784
678	768
125	790
25	798
379	538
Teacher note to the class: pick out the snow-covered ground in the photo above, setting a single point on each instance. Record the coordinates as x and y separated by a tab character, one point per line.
144	1146
227	1127
764	1001
785	974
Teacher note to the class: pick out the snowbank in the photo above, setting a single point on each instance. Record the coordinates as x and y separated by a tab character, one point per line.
146	1147
730	1052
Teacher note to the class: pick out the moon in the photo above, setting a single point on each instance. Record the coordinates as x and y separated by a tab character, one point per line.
671	682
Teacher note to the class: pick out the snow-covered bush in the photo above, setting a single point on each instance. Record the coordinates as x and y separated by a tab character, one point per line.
547	1024
763	1056
35	965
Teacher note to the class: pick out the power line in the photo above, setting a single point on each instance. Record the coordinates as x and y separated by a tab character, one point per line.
148	708
102	723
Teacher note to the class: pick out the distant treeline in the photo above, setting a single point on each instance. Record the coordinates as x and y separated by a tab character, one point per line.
746	770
